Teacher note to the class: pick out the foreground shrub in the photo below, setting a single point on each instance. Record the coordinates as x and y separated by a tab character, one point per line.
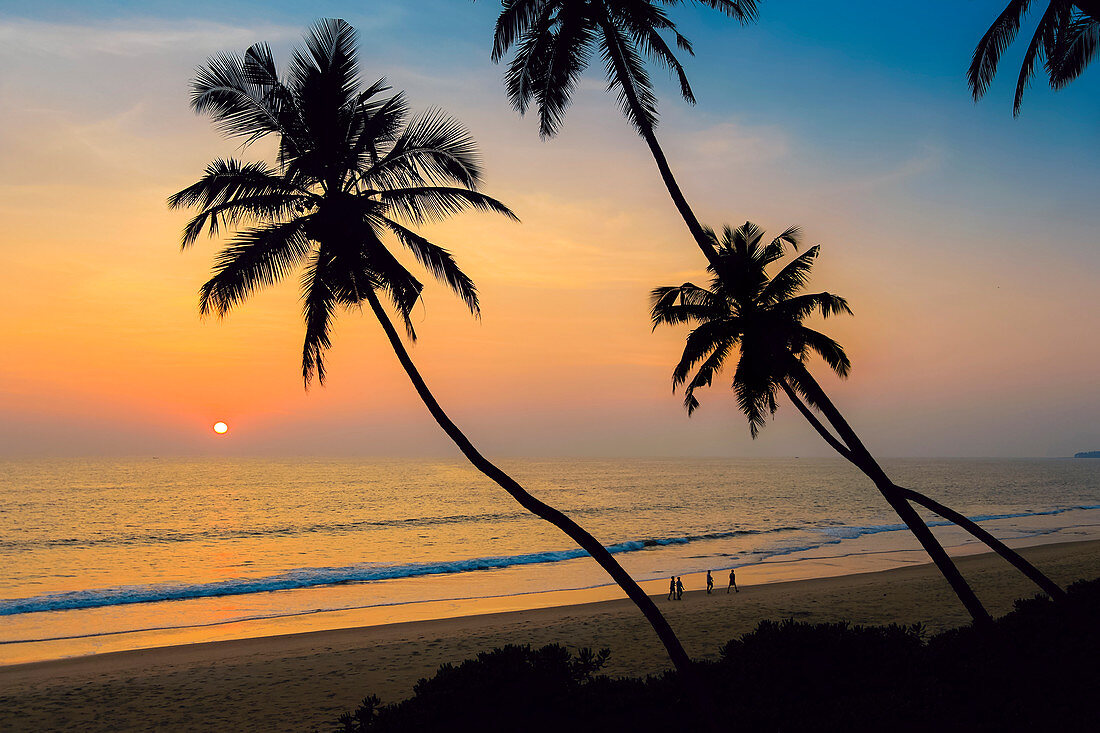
1036	669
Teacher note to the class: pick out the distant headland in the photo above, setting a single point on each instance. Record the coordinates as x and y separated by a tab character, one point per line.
1087	454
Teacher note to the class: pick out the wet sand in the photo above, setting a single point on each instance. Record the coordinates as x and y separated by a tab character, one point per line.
297	682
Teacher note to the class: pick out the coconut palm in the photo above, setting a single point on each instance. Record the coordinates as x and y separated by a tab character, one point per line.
555	40
1074	47
353	171
761	319
1064	41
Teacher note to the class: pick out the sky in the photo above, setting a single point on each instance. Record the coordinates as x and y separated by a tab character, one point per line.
965	241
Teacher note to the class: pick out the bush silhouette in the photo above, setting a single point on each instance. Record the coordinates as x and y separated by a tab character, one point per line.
1034	669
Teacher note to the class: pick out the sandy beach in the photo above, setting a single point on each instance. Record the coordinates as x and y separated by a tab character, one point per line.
304	681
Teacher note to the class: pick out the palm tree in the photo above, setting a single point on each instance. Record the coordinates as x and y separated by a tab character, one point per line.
761	318
1065	41
555	40
352	170
1074	47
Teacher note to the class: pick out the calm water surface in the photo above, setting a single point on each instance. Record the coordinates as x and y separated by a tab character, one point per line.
102	547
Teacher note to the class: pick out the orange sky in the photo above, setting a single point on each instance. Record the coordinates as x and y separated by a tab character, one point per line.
973	332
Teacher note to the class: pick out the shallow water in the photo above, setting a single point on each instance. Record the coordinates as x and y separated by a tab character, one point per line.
108	547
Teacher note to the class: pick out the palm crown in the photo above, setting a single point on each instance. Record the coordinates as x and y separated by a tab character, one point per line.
352	168
556	39
1065	41
759	316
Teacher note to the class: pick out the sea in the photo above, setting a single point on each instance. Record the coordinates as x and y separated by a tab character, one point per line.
113	554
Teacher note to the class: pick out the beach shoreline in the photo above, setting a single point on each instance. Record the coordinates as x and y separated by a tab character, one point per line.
175	623
298	680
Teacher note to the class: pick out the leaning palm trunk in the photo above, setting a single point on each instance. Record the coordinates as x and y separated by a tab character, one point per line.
544	511
646	130
1011	556
1049	586
351	168
863	460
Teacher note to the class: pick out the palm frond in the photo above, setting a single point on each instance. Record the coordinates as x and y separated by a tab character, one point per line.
705	374
440	263
828	349
253	259
389	275
644	22
741	10
1041	48
754	386
241	104
377	125
525	73
252	209
802	306
791	236
327	66
567	58
802	383
658	50
226	180
230	191
514	21
435	203
433	148
319	304
626	73
685	303
791	279
1075	48
700	343
987	55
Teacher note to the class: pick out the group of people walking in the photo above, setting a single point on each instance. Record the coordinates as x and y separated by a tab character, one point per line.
676	586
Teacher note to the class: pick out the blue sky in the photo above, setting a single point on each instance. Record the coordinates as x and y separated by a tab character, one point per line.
965	238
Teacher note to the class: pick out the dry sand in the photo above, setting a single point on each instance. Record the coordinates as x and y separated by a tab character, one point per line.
300	682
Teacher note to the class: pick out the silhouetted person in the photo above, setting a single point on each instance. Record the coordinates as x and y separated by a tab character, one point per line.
733	583
710	583
679	589
671	587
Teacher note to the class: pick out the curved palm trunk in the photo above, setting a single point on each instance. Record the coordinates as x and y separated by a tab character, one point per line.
544	511
1046	584
1049	586
861	457
1014	558
650	138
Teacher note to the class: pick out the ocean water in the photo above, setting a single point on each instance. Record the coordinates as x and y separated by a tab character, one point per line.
119	549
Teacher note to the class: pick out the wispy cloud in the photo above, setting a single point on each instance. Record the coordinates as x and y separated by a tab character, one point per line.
130	38
927	159
728	144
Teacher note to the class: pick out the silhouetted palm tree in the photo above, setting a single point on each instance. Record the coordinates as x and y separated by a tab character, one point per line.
1064	41
1074	47
761	319
351	169
556	39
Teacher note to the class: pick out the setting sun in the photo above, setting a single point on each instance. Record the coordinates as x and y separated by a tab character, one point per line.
221	428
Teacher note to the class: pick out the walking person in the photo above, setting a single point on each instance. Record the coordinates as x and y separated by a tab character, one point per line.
733	583
671	587
679	589
710	583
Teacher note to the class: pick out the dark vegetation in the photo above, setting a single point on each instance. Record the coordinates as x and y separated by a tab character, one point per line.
1034	669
